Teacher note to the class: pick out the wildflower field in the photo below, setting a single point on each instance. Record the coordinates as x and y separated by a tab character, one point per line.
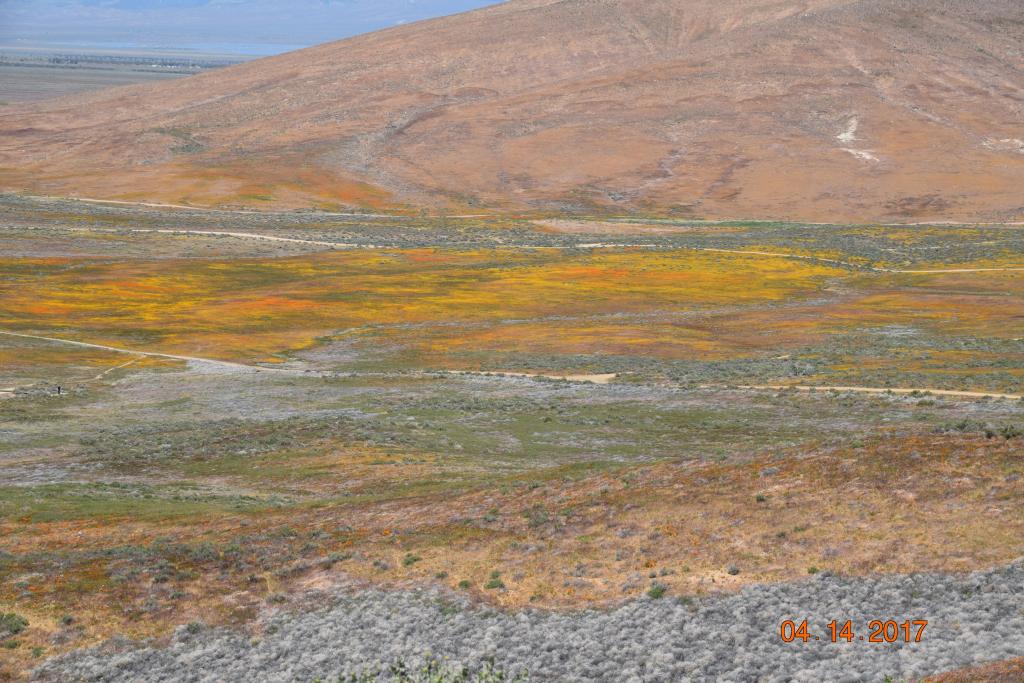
522	412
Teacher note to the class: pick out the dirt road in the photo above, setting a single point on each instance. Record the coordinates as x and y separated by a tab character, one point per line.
156	205
877	390
590	379
600	378
223	233
605	378
153	354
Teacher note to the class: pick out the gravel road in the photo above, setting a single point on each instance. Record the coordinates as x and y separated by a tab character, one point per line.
971	619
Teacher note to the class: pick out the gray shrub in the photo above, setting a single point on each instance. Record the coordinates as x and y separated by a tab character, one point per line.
972	618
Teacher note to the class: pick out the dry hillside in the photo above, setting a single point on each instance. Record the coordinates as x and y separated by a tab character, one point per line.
838	110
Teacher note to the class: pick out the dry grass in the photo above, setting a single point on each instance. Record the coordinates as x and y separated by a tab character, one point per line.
1000	672
900	503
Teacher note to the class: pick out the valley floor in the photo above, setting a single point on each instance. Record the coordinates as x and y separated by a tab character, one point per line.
289	446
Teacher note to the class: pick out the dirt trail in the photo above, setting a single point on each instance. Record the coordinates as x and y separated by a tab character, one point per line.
592	379
732	221
877	390
602	378
223	233
587	245
156	205
957	270
114	367
258	236
153	354
721	221
599	378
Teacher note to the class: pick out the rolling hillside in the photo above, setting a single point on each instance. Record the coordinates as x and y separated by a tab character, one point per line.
831	110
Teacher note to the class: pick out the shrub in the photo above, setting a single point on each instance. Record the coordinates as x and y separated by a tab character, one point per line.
333	559
465	584
537	516
434	672
1011	432
11	623
203	552
656	590
495	582
410	559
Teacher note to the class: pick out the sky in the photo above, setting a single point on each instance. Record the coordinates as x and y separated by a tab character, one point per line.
256	27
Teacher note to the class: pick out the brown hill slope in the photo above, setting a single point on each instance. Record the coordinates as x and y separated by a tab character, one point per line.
811	109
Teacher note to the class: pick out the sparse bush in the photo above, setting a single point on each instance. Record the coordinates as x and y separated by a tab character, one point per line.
203	552
410	559
1007	431
333	559
1011	431
656	590
12	624
537	516
813	570
494	582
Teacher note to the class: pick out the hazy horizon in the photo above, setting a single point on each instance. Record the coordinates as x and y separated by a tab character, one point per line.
244	27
